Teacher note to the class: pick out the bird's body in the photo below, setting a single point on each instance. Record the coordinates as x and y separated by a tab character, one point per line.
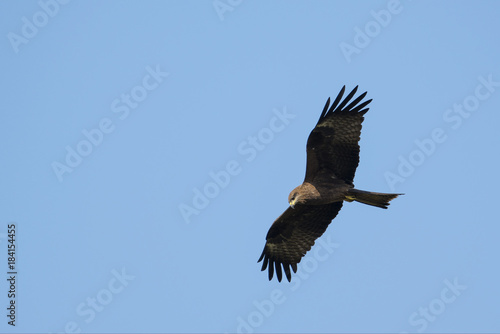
332	158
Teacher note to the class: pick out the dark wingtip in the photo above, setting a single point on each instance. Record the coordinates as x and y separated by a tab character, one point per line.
279	274
275	266
347	99
325	109
288	274
261	257
339	106
354	103
337	100
264	264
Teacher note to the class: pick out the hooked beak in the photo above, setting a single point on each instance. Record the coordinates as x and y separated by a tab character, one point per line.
292	203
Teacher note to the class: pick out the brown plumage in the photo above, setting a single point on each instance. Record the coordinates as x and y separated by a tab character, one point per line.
332	159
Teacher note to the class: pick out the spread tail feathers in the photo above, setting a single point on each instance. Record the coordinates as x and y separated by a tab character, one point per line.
380	200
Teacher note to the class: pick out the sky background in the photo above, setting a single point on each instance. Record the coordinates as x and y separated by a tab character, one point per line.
147	147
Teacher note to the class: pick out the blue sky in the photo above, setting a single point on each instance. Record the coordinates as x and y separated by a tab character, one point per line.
147	147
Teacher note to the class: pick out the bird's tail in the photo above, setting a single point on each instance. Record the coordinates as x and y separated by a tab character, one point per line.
380	200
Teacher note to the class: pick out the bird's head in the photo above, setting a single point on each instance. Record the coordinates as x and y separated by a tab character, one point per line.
306	193
296	197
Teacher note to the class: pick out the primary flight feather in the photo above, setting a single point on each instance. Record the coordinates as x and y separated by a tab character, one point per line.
332	159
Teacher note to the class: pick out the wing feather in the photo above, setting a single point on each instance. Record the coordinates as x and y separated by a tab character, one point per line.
293	234
337	99
348	97
332	151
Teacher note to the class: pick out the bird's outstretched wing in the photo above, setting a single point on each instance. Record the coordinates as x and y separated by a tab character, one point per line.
293	234
332	146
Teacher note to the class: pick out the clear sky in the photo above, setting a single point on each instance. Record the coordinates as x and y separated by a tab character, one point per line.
148	146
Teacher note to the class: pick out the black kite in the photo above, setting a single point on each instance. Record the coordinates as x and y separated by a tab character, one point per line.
332	158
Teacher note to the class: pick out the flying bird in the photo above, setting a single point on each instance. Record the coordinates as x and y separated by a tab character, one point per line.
332	158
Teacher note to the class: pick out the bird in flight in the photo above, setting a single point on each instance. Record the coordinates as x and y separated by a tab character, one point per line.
332	158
